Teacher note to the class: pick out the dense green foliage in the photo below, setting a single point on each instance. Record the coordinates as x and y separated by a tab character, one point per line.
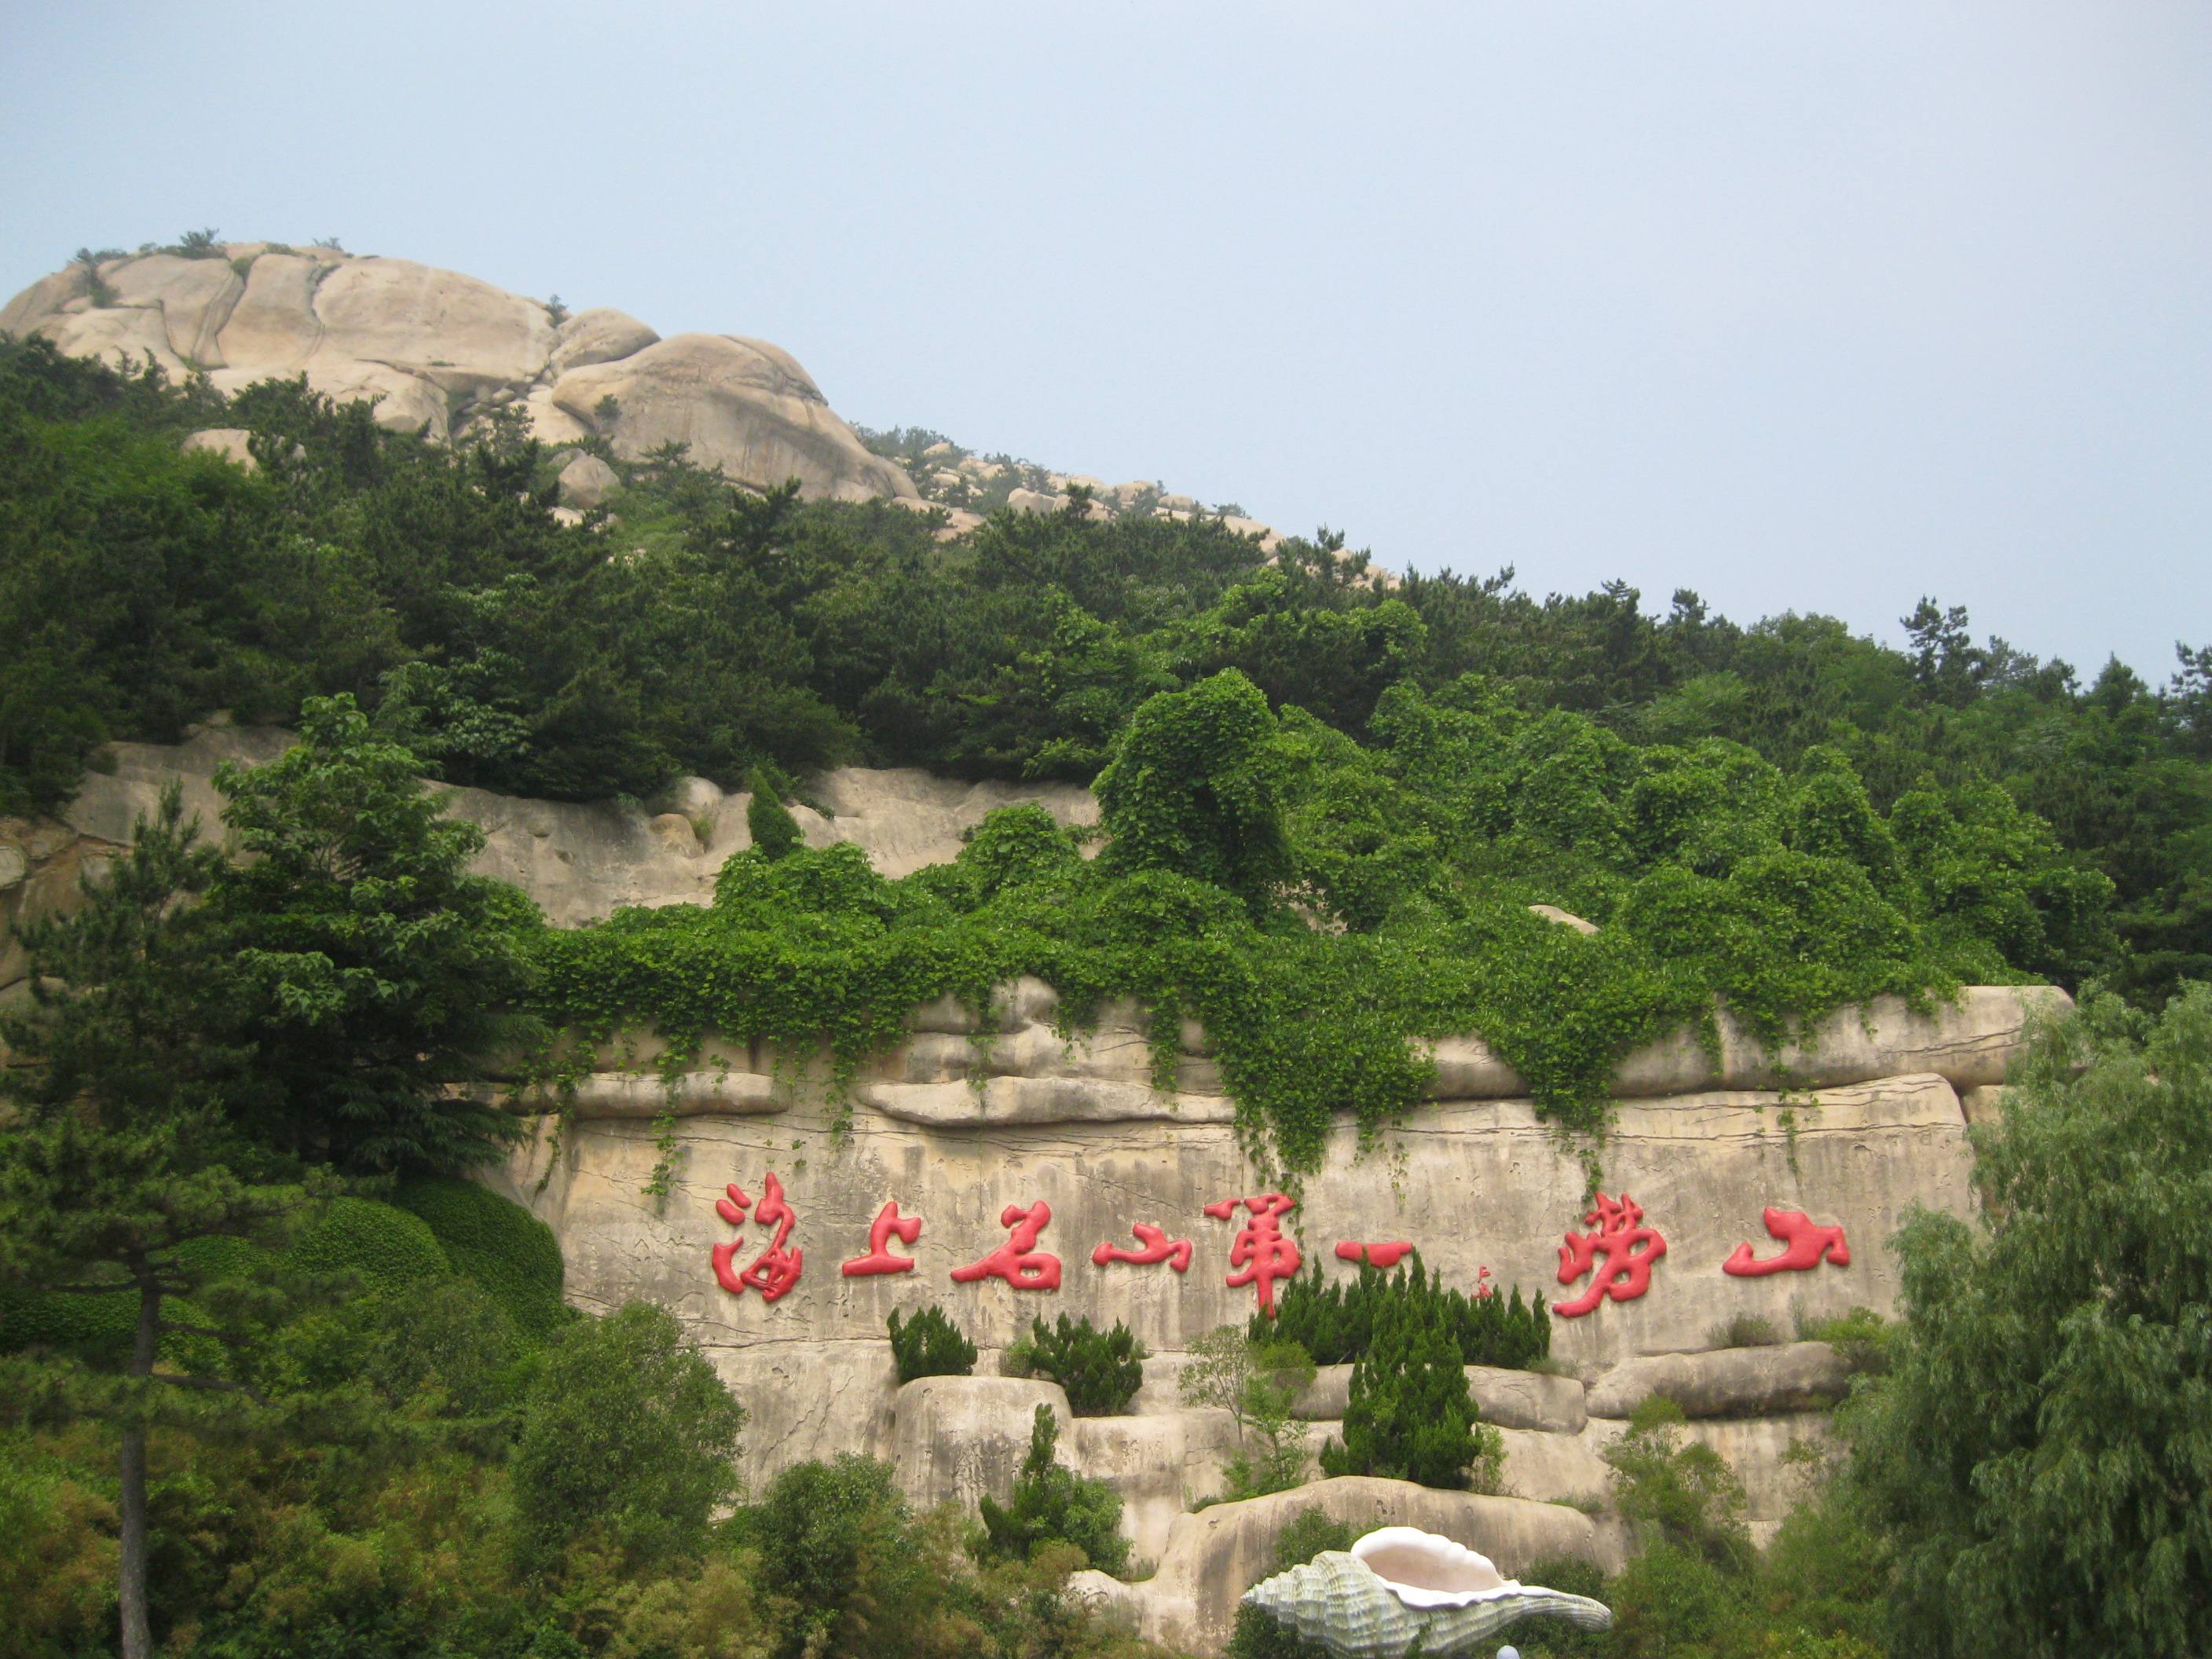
1334	1321
380	1247
1783	815
628	1425
1410	1415
2038	1453
500	1245
1099	1370
140	587
1053	1504
929	1344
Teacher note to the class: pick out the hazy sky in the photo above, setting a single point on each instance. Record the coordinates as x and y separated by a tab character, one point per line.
1819	306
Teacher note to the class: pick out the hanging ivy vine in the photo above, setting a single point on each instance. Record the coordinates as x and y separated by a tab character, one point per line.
1321	907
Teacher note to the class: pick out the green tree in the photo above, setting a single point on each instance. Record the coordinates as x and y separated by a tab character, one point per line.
2037	1459
1258	1381
627	1441
1052	1503
371	967
1410	1416
774	832
1195	788
119	1167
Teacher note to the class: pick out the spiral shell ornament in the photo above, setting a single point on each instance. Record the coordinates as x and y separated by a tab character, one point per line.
1446	1596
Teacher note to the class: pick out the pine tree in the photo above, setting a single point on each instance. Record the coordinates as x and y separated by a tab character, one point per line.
1410	1416
120	1166
774	832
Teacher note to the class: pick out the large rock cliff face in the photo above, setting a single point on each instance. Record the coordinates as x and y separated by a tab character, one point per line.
961	1125
439	349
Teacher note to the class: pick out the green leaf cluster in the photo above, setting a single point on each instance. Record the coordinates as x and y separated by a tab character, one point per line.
1336	1322
929	1344
1053	1504
1410	1415
1100	1372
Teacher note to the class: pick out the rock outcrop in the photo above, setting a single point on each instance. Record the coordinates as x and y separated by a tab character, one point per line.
438	350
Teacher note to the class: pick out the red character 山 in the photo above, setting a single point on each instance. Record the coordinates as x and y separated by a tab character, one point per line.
1158	1247
1808	1243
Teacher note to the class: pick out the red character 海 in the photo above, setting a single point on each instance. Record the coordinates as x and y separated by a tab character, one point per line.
776	1270
1157	1247
887	1224
1262	1248
1808	1242
1623	1271
1018	1260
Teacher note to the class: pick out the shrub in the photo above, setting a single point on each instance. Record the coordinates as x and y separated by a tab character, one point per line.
1258	1383
1410	1416
768	821
1745	1331
1334	1322
497	1242
1052	1503
930	1345
385	1246
1101	1371
1683	1495
1308	1535
1860	1337
838	1542
627	1438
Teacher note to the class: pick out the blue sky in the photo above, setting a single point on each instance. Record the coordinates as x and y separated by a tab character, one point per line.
1811	307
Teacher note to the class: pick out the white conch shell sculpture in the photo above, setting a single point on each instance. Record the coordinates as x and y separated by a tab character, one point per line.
1399	1584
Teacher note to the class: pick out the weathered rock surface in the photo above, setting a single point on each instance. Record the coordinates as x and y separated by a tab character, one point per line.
435	347
579	861
1474	1183
1211	1557
742	405
1791	1376
586	482
228	442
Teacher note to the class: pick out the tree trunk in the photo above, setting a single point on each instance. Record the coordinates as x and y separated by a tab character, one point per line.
130	1578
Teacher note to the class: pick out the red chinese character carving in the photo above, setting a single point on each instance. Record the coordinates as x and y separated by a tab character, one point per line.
1158	1247
776	1270
1375	1255
1624	1272
1808	1243
1482	1290
1018	1260
1262	1248
887	1224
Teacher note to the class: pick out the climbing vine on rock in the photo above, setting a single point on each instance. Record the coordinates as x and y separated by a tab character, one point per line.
1324	908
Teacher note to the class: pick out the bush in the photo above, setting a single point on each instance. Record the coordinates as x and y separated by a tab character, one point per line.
930	1345
1101	1371
385	1246
1334	1322
1683	1495
1258	1383
1052	1503
1745	1331
839	1542
626	1439
774	832
1307	1536
497	1242
1410	1416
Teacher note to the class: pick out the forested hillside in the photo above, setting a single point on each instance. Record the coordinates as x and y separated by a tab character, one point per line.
690	628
